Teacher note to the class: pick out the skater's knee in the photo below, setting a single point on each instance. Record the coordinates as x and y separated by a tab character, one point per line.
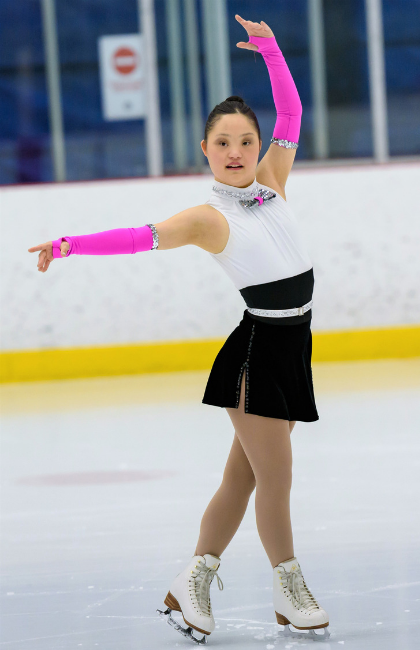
241	482
278	480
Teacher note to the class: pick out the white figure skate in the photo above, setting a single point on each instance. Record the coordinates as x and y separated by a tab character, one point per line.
294	604
189	594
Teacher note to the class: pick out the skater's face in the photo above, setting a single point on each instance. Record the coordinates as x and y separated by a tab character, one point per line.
233	139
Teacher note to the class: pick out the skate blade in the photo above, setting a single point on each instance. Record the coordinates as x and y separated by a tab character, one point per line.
187	632
322	635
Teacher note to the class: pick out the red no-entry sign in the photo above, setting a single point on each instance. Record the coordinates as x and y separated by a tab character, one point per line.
121	63
125	60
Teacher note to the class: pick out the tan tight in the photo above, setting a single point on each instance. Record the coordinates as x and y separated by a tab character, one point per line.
261	457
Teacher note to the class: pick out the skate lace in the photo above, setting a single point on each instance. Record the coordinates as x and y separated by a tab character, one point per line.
300	594
202	577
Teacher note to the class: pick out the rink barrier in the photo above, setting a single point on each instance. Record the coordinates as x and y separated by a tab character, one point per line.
173	356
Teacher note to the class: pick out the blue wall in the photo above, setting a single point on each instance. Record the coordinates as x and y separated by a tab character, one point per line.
99	149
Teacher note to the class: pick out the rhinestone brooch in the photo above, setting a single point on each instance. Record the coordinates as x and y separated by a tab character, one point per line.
263	195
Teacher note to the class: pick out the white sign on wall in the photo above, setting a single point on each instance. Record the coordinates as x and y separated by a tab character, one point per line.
122	73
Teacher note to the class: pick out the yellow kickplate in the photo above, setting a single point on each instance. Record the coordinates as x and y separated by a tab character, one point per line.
67	363
350	345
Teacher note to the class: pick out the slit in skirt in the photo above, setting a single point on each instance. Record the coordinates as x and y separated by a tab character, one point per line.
246	367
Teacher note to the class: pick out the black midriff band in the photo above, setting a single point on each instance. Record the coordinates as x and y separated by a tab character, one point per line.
281	294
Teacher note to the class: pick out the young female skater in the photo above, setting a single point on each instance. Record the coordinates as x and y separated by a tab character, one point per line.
262	375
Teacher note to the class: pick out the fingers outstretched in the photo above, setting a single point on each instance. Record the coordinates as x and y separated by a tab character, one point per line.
45	256
254	29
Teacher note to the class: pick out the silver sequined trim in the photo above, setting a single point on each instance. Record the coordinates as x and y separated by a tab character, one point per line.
246	367
282	313
235	195
285	143
155	236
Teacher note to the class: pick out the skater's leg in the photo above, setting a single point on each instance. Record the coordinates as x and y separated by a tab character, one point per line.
267	445
227	508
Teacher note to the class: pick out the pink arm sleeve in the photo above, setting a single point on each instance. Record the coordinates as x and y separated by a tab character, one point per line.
111	242
285	94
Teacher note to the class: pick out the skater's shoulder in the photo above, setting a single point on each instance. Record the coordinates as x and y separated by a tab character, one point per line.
212	229
200	225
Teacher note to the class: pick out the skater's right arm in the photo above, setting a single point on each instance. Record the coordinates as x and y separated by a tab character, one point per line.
201	226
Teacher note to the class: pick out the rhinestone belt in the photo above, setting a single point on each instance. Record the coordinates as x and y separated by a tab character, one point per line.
280	313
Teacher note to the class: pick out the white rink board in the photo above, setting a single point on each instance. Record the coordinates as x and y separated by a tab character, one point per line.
360	224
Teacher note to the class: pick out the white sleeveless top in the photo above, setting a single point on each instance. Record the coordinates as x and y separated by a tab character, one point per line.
264	243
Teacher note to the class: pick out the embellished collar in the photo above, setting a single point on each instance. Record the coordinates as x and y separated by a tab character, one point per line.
230	191
249	196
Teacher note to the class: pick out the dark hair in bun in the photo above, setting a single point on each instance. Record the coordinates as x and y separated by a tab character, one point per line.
235	98
231	105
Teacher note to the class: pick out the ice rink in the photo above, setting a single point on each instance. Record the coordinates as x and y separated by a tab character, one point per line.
104	483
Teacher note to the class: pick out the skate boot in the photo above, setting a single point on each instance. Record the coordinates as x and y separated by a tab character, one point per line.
294	604
189	594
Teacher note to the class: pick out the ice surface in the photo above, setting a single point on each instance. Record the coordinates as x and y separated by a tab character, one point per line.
104	482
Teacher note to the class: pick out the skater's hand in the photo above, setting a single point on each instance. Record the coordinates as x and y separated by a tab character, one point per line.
46	255
253	29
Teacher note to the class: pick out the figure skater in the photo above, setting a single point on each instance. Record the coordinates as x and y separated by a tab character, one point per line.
262	375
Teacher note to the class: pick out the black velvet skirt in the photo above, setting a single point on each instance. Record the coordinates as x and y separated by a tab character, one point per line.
276	359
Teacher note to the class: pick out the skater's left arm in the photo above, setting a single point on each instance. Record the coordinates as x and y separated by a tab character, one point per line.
275	166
